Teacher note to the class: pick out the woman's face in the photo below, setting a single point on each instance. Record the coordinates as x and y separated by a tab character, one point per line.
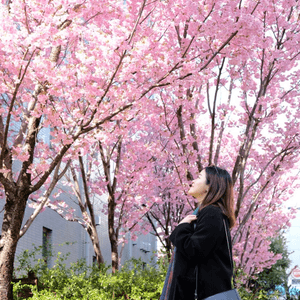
199	187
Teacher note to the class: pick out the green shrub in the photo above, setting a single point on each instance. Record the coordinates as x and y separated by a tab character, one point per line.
133	281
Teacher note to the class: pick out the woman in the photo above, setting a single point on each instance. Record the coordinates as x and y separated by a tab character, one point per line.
200	240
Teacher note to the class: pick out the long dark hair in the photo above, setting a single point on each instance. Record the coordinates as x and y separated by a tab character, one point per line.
220	192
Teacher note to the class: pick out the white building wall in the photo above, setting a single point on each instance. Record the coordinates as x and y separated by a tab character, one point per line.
143	248
70	237
66	237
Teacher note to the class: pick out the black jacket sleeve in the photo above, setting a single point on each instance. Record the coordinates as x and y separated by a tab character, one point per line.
199	242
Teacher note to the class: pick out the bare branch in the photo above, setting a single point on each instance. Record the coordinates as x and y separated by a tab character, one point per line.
219	50
155	229
43	200
213	114
20	80
86	192
222	127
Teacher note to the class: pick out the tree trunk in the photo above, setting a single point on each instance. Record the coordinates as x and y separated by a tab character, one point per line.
12	221
96	245
113	237
114	254
168	249
99	257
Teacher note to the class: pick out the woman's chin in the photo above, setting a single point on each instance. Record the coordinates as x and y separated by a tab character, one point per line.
190	193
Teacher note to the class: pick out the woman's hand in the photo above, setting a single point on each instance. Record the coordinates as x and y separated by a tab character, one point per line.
188	219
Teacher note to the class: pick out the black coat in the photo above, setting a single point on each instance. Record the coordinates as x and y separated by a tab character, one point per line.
206	246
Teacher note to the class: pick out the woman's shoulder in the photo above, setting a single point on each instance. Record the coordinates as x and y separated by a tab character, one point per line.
210	210
210	217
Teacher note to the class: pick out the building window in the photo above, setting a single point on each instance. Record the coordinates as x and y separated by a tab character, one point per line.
47	246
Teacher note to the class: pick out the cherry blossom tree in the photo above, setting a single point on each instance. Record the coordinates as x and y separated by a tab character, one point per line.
128	187
247	120
116	180
78	178
268	141
262	184
68	68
